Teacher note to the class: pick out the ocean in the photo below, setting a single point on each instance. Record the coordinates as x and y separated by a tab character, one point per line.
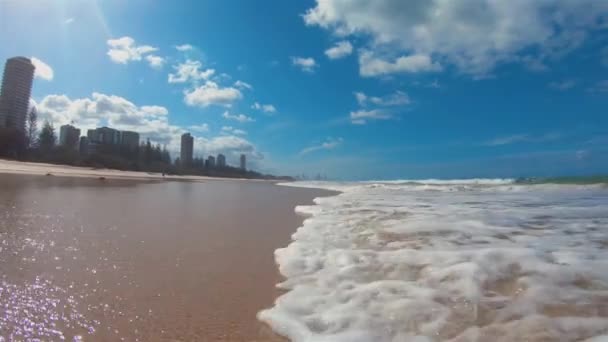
459	260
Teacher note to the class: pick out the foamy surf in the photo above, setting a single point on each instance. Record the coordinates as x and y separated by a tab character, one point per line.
447	261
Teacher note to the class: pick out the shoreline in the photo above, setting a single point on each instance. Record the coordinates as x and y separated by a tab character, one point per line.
45	169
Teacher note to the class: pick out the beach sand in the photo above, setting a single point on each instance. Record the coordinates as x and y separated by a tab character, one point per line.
29	168
141	261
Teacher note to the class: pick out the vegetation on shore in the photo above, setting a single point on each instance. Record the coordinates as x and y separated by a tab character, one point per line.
43	148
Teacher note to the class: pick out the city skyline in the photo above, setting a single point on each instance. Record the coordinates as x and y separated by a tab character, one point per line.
332	93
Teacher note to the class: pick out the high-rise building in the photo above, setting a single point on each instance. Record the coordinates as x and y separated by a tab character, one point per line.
16	90
210	163
84	146
69	136
243	162
221	160
104	135
129	138
186	149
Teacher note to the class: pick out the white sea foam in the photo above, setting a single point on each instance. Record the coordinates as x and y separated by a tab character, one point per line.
447	261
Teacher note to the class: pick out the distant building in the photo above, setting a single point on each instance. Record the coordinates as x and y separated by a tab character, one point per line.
16	91
130	139
186	149
104	135
84	146
221	160
210	163
243	162
69	136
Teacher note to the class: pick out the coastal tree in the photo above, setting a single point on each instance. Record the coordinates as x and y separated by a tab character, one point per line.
47	137
31	128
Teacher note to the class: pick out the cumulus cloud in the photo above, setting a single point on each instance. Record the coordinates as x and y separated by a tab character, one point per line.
266	108
152	122
124	50
361	117
231	146
190	71
339	50
102	109
204	128
237	117
474	36
370	65
43	70
184	47
232	130
242	85
307	64
328	144
156	62
211	93
398	98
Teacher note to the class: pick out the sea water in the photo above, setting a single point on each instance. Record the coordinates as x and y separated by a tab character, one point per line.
463	260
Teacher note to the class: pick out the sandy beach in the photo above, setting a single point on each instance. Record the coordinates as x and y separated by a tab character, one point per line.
29	168
139	261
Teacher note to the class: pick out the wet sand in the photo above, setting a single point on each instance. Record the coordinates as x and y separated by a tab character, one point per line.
141	261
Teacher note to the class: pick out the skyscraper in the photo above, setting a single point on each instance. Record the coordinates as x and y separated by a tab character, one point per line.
104	135
221	160
69	136
16	91
130	139
243	162
186	149
210	163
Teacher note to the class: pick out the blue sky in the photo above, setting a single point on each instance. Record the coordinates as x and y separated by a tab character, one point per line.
351	89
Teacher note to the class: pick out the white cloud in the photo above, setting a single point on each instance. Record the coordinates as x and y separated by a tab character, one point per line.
307	64
328	144
522	138
266	108
242	85
150	121
43	70
232	130
156	62
211	94
155	110
68	21
370	65
190	71
124	50
562	85
184	47
102	109
473	35
204	128
361	98
237	117
398	98
340	50
231	146
361	117
512	139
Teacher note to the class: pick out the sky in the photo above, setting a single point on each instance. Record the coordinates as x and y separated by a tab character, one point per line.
383	89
